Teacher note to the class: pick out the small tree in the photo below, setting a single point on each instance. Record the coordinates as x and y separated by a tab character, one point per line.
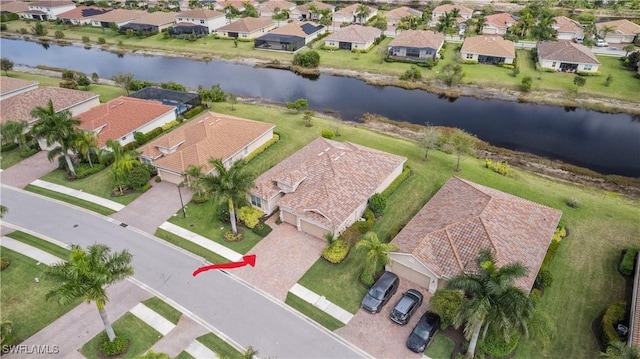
95	77
307	117
83	81
307	59
123	80
39	29
452	74
6	65
526	84
59	34
579	81
429	140
462	142
628	49
232	99
608	80
297	105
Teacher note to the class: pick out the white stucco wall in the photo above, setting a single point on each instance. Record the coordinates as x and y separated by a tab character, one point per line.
52	11
167	117
549	64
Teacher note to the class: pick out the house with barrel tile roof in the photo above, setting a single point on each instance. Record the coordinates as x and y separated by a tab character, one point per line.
488	50
566	56
416	45
353	37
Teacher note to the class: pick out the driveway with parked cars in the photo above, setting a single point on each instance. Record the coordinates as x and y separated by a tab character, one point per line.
377	334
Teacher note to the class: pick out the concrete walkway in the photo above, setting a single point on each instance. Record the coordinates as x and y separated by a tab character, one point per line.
202	241
28	170
198	350
78	194
29	251
153	319
180	337
321	303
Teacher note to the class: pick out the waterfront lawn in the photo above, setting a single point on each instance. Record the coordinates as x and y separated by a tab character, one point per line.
41	244
219	346
70	199
106	92
165	310
22	300
100	184
9	158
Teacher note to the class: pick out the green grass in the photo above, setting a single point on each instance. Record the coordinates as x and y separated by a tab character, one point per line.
312	312
441	347
159	306
99	184
141	337
10	158
190	246
39	243
22	300
184	355
219	346
71	200
106	92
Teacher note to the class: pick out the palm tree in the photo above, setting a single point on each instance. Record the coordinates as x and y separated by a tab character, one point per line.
377	255
326	17
231	185
493	303
14	131
87	144
87	274
313	12
480	22
56	128
527	18
445	23
620	350
543	29
606	30
285	12
192	178
628	49
3	211
362	13
123	162
277	15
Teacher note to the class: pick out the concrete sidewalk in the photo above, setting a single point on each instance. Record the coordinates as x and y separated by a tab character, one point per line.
180	338
202	241
153	319
321	303
29	251
78	194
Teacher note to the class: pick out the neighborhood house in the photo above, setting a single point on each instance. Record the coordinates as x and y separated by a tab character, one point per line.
566	56
350	15
438	12
151	23
209	19
416	45
567	29
488	50
47	10
118	16
290	37
247	28
498	24
10	86
81	15
624	31
353	37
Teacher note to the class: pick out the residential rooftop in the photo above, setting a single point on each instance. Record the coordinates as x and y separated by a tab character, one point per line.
355	33
488	45
248	24
19	107
418	39
566	51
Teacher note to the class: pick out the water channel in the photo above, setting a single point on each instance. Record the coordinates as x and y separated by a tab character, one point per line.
607	143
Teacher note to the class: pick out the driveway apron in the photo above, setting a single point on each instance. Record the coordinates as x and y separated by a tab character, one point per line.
28	170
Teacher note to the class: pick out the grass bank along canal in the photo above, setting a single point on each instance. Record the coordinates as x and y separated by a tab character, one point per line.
606	143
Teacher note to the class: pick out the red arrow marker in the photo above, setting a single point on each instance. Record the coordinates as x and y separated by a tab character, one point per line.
249	259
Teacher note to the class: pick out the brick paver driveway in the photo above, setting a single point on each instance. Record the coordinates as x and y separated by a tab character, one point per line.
378	335
28	170
282	258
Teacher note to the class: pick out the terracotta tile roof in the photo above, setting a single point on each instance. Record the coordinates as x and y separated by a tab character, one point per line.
320	5
448	8
488	45
51	3
566	51
564	24
622	27
355	33
418	39
273	4
10	84
398	13
634	328
500	20
82	12
352	9
199	14
18	107
15	6
464	217
157	18
247	24
121	116
332	178
119	15
211	135
294	29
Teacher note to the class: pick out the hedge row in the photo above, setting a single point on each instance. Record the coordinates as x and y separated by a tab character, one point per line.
626	266
612	316
8	147
406	172
262	148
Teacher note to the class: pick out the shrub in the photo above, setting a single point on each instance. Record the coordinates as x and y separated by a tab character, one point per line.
169	125
140	137
262	148
544	278
445	302
494	345
406	172
4	263
69	84
130	146
366	225
250	216
3	27
193	112
231	237
118	346
222	214
412	74
626	265
102	41
137	177
328	133
551	252
199	198
8	147
526	84
28	152
377	204
612	316
350	235
336	252
86	39
153	133
559	234
59	34
23	30
308	59
589	73
262	229
84	170
500	167
572	202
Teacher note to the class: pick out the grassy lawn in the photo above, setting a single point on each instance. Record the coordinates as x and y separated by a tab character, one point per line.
441	347
190	246
219	346
39	243
184	355
10	158
23	300
106	92
71	200
141	337
99	184
312	312
159	306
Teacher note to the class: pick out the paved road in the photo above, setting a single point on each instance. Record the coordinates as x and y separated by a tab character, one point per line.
237	310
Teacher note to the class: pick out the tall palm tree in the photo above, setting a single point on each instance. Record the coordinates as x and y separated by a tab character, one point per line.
57	129
278	15
493	303
445	23
326	17
231	185
15	131
123	162
87	144
620	350
480	22
87	274
362	13
377	255
192	178
286	13
543	29
313	12
606	30
527	18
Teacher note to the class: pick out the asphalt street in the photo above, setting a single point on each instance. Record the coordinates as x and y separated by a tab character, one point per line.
241	312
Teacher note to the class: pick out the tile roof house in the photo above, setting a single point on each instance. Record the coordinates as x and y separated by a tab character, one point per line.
325	186
439	11
349	15
624	31
210	19
15	7
443	239
247	28
151	23
268	8
290	37
19	106
567	29
10	86
118	16
488	50
566	56
304	11
48	10
81	15
238	4
210	135
121	117
396	15
498	24
416	45
634	318
353	37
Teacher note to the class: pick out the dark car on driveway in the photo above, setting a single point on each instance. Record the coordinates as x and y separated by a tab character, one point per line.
408	303
380	293
423	332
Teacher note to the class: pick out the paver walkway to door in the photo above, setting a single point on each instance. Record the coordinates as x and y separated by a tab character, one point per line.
28	170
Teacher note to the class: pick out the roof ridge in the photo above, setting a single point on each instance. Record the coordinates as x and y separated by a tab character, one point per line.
453	248
495	248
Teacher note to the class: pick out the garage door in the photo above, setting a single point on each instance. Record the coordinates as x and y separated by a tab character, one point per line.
312	229
170	176
410	274
289	218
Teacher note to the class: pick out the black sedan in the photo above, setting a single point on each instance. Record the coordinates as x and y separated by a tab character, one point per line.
423	332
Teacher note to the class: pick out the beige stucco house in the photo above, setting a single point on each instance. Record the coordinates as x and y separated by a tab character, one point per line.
349	15
353	37
247	28
624	31
566	56
416	45
498	24
211	19
439	11
567	29
488	50
47	10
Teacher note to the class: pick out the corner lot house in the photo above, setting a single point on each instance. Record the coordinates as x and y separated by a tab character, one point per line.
211	135
81	15
353	37
247	28
488	50
566	56
48	10
118	16
151	23
121	117
325	186
10	86
567	29
416	45
290	37
439	11
624	31
210	19
349	15
443	239
498	24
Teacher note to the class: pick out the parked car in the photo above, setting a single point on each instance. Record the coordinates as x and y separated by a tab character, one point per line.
423	332
406	306
601	43
380	293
